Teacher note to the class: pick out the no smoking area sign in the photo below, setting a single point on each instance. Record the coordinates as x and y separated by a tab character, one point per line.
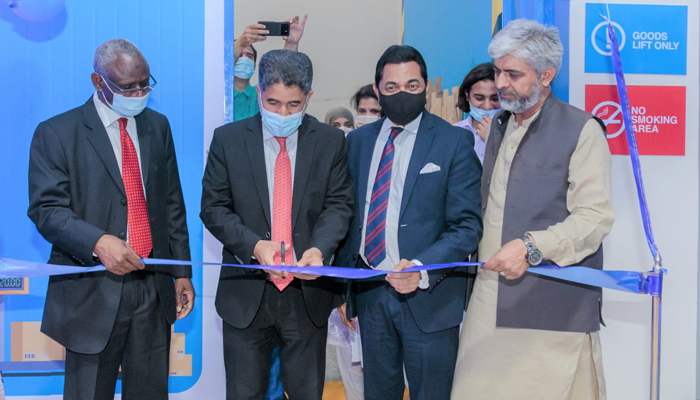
658	117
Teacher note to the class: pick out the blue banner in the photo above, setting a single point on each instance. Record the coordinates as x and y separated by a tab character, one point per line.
653	39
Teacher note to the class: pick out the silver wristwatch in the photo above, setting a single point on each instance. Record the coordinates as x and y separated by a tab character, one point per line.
534	255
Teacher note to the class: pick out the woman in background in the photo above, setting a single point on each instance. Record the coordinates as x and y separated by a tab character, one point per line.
478	97
341	118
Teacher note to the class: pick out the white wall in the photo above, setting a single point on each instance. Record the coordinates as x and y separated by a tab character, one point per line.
344	40
672	193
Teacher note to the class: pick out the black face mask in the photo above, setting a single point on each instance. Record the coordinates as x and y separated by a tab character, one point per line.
402	107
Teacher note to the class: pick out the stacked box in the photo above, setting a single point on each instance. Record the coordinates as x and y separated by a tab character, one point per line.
29	344
180	363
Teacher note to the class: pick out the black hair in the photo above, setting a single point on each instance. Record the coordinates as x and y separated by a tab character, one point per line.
482	72
255	52
397	54
365	92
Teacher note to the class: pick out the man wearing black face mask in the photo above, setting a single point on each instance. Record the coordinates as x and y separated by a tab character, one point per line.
416	181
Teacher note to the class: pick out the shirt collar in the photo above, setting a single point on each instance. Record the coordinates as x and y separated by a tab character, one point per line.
411	127
107	115
248	92
526	123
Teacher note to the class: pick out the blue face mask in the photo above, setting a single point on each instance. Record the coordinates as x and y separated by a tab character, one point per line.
479	113
281	126
127	106
244	68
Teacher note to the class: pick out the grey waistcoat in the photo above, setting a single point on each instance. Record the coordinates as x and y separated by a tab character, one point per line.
535	200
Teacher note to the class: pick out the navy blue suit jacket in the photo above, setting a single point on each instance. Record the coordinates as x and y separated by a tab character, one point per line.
440	216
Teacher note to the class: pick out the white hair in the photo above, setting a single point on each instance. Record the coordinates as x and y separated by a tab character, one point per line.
108	52
537	44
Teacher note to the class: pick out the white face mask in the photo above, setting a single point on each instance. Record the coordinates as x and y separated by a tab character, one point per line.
127	106
366	119
345	129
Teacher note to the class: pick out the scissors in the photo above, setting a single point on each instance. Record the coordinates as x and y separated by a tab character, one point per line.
284	274
282	252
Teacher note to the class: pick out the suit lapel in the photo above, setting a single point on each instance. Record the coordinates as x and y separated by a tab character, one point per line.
366	154
306	145
256	157
143	129
98	138
424	138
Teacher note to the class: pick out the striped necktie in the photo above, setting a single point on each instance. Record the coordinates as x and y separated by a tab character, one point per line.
375	245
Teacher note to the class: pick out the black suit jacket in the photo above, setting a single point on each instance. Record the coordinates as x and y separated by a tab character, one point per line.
76	195
440	218
236	210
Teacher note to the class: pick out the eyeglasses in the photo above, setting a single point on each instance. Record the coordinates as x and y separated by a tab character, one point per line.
131	92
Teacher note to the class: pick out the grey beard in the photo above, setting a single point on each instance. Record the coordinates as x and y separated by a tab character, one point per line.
521	104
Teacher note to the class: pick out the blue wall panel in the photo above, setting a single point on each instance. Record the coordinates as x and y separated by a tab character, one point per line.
550	13
45	70
452	35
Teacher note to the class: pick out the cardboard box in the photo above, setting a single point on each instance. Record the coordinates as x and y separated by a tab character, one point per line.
29	344
181	365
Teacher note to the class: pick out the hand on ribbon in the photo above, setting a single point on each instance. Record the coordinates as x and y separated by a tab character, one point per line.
311	258
117	255
265	251
404	283
510	260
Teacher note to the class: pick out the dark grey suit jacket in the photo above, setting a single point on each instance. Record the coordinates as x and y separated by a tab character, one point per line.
76	195
236	210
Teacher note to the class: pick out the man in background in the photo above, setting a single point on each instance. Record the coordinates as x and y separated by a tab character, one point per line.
245	97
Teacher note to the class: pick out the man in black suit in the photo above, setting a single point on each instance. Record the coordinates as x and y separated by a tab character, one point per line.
104	188
277	178
416	184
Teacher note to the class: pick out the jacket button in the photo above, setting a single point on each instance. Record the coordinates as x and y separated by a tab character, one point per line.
122	235
123	201
354	257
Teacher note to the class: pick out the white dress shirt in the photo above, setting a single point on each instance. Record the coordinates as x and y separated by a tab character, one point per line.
479	143
272	149
403	149
110	120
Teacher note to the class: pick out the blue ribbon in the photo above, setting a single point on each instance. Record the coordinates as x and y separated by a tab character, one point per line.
625	281
631	139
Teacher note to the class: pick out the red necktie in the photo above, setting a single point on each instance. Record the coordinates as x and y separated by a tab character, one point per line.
137	211
282	210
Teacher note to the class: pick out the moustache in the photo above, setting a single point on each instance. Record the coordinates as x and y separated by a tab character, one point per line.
501	92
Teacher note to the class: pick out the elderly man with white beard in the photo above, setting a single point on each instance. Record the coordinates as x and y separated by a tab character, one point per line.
546	198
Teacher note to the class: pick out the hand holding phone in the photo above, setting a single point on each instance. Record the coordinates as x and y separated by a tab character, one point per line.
276	28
